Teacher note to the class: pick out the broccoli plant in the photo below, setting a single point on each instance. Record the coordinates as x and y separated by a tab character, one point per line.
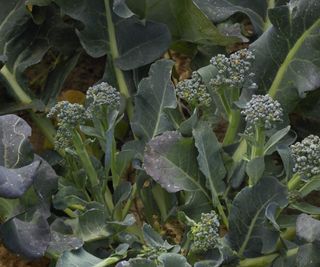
155	170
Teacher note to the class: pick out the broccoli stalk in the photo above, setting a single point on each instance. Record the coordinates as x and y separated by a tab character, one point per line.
233	73
114	53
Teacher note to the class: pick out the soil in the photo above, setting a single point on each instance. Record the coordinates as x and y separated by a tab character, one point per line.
7	259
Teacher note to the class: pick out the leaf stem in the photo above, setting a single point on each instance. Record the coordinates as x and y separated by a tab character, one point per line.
264	261
21	95
294	181
258	148
114	53
234	121
85	158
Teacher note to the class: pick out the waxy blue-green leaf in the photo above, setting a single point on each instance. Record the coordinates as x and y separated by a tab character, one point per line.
220	10
150	42
210	158
173	260
184	19
155	95
29	238
247	221
170	160
287	64
14	144
79	258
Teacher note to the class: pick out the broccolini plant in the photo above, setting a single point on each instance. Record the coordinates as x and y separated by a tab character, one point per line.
146	173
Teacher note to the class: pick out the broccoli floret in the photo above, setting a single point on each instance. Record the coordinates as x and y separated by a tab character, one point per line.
205	234
306	156
100	95
193	91
233	71
262	111
68	116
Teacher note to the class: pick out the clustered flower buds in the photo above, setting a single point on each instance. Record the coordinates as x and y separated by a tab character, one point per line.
205	234
262	111
234	70
306	156
68	116
101	94
193	91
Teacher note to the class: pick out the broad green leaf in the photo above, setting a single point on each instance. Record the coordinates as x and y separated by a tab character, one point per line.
287	55
78	258
171	161
151	237
15	182
24	40
155	95
220	10
151	40
187	126
184	19
287	161
306	208
275	138
62	238
308	256
14	145
173	260
255	169
29	238
138	43
210	159
91	224
311	185
247	216
137	262
121	9
195	204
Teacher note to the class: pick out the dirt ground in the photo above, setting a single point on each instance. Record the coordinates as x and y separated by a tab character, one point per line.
9	260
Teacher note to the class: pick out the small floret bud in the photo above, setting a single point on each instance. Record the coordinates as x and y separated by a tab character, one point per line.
100	95
193	91
262	111
232	71
68	116
306	156
205	234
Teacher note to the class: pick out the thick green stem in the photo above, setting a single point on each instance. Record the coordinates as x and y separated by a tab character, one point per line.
109	261
85	159
129	202
21	95
123	88
233	116
294	181
224	102
258	148
264	261
43	123
234	121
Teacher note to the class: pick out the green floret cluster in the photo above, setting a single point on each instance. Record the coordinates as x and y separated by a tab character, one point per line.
193	91
99	95
68	116
306	156
262	111
205	234
233	71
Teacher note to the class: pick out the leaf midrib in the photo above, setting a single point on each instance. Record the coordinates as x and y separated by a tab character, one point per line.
198	185
293	51
252	225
